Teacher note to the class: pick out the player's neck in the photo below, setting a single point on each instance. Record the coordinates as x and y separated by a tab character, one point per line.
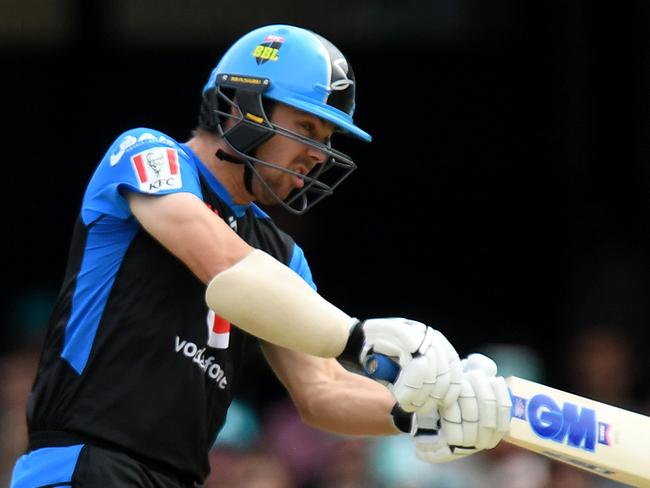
205	146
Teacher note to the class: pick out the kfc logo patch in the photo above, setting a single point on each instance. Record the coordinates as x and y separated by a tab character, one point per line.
157	169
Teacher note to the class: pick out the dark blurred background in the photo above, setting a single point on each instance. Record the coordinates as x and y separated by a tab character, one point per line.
504	198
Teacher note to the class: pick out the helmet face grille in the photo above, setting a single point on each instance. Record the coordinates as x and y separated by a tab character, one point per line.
246	134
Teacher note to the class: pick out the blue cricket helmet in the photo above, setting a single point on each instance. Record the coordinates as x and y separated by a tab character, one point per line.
295	67
305	71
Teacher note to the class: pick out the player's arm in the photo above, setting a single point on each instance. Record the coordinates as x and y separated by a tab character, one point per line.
269	300
190	230
248	287
329	397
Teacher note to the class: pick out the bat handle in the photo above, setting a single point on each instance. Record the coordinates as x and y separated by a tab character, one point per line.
381	367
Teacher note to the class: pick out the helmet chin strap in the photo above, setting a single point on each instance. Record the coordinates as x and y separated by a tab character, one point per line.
248	173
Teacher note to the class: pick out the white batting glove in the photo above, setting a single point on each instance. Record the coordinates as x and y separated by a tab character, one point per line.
430	443
432	446
430	369
481	416
478	420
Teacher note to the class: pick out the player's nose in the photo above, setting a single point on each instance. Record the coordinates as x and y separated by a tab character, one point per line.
316	156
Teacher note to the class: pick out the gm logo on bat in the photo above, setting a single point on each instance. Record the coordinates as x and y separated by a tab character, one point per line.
571	424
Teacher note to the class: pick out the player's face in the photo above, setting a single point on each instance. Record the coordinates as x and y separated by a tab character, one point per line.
290	154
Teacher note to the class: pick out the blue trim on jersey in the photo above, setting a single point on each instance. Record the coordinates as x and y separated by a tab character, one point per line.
106	244
299	264
47	466
220	190
111	226
117	173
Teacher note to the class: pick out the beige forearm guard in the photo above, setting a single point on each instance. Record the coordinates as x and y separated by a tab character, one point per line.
269	300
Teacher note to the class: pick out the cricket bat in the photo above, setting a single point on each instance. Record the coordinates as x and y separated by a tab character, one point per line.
603	439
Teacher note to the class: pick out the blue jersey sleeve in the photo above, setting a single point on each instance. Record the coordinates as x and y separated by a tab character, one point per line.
299	264
141	160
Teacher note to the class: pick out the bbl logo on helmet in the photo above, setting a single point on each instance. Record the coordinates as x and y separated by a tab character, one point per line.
268	49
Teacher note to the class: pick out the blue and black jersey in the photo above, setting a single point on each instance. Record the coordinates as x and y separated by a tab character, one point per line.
133	358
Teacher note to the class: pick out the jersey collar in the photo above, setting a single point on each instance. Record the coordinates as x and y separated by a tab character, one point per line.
220	190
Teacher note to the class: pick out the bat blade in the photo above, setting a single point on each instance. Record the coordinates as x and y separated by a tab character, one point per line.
603	439
593	436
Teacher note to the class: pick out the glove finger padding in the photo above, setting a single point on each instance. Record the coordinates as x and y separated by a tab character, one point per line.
449	371
414	384
487	407
493	399
430	405
460	421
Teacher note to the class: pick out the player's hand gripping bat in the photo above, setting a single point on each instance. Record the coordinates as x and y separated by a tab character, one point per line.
590	435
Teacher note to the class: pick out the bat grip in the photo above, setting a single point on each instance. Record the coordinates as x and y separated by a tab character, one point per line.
381	367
